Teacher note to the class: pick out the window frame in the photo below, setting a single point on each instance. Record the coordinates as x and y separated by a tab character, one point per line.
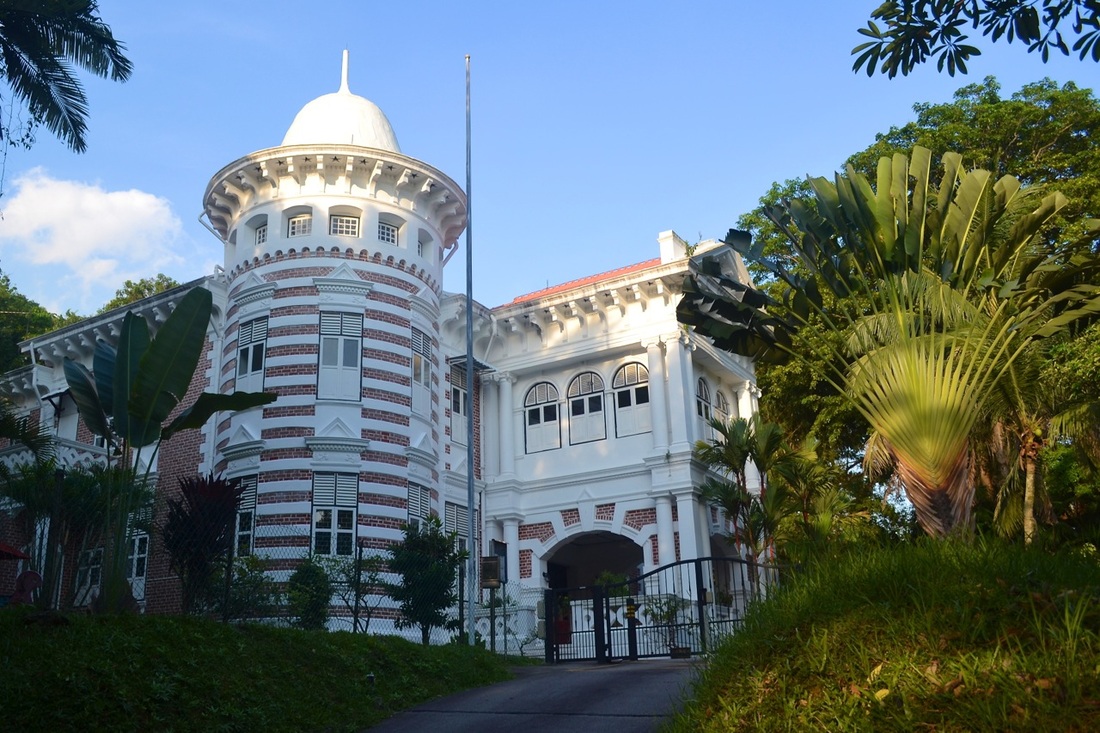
299	225
630	385
251	348
337	494
460	403
89	576
540	409
244	537
338	222
585	398
342	380
389	233
418	504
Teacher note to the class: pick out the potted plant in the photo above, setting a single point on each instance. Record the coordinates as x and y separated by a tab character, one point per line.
664	611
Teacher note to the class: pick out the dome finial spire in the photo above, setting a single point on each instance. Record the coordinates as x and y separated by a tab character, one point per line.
344	74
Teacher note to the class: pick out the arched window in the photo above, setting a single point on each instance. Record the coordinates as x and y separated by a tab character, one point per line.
541	418
586	421
703	410
631	386
721	408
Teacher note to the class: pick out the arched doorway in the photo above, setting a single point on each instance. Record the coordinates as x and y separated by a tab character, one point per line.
584	557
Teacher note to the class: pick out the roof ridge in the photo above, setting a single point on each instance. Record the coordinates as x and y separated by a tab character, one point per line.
590	279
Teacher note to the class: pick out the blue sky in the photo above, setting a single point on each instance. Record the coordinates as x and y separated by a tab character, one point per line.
596	125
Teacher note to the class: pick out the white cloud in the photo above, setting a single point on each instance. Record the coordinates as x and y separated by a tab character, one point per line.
84	241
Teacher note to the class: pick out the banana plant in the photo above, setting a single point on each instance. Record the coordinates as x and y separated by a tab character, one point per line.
127	399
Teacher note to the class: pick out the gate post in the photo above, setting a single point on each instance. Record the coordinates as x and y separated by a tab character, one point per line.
550	616
631	629
701	603
599	623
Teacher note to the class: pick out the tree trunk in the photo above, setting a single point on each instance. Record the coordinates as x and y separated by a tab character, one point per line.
942	508
1029	498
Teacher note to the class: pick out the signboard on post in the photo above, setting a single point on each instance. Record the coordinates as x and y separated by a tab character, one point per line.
490	572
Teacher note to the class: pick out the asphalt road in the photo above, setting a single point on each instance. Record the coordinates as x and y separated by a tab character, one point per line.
630	697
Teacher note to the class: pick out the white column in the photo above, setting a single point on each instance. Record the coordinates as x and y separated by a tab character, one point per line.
505	414
687	523
658	405
681	392
746	408
511	539
666	538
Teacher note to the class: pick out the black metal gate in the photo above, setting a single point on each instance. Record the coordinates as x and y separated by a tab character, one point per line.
680	609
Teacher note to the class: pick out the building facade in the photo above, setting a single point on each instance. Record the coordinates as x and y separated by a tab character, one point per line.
587	399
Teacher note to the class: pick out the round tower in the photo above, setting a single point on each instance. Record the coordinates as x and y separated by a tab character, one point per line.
334	248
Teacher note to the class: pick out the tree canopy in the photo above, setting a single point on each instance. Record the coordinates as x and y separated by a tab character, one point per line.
40	43
135	290
1042	134
914	31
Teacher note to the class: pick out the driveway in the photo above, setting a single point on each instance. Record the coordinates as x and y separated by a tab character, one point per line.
630	697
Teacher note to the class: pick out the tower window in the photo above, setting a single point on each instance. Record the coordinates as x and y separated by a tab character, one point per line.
344	226
335	501
387	233
251	339
300	226
261	234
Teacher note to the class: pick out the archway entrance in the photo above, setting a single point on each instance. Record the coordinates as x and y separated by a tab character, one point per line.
584	557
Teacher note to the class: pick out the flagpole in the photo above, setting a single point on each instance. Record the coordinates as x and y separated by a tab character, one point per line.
474	551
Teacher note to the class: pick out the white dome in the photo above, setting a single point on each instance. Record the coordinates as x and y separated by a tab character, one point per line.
342	118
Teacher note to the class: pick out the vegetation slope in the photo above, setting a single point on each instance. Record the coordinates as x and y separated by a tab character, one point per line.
157	673
934	637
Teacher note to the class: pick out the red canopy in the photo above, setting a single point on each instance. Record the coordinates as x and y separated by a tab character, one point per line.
7	552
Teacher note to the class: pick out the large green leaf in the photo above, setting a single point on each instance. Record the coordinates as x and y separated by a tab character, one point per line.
169	363
133	341
209	403
82	385
103	367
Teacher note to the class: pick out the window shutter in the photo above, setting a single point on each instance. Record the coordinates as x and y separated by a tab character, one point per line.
248	494
324	489
347	489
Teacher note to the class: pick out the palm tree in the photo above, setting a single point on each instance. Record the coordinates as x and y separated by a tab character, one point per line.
953	287
40	42
756	516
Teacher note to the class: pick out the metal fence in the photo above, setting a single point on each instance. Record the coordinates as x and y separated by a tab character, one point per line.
680	609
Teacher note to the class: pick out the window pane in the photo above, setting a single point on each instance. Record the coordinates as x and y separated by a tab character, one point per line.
624	398
533	417
351	352
344	543
242	362
328	351
643	395
345	519
322	543
139	567
595	403
244	522
576	407
323	519
550	413
257	357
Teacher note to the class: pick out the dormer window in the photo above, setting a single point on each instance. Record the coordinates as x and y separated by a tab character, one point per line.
343	226
300	226
387	233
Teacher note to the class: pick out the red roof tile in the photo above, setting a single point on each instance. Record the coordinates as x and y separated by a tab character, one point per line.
591	279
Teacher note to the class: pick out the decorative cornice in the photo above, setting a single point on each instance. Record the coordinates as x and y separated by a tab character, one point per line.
422	457
335	444
254	293
423	306
342	286
243	450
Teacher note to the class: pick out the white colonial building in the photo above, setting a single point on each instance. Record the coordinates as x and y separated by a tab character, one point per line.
588	399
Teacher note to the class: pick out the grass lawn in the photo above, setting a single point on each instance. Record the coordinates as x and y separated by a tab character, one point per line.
156	673
934	637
